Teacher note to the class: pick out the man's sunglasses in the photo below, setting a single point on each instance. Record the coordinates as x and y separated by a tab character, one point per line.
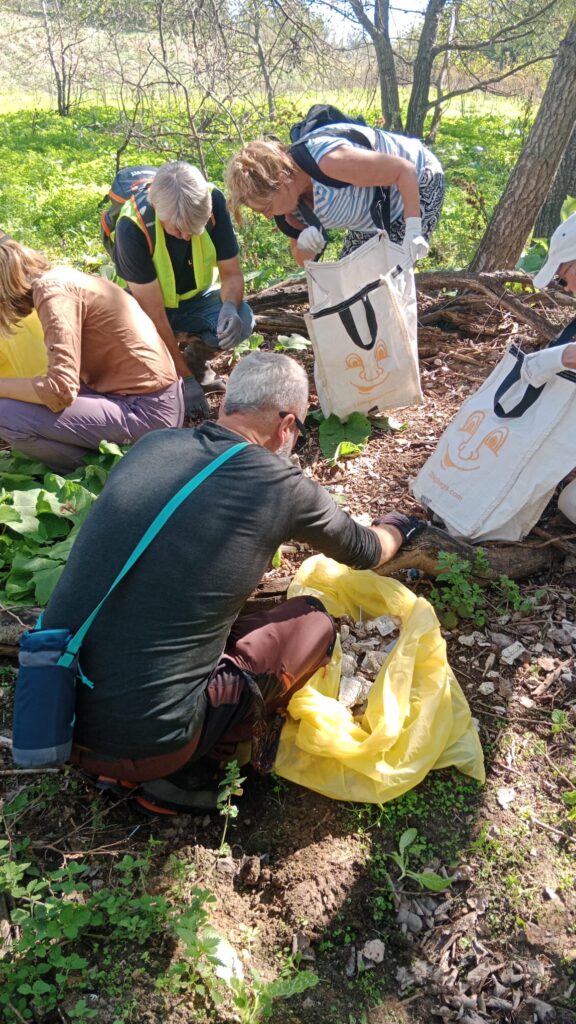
302	432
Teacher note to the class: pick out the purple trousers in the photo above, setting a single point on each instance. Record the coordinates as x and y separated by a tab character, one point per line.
62	439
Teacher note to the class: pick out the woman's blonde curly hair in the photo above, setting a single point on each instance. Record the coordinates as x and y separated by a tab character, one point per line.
258	170
20	267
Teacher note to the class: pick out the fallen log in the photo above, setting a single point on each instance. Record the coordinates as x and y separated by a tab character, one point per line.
514	560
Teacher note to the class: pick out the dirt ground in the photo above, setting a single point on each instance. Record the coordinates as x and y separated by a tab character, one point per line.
307	881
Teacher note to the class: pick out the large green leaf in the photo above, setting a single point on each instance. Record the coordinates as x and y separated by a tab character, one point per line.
339	440
9	514
45	580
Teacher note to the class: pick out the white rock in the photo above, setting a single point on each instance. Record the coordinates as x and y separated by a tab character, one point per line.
510	654
501	639
349	665
385	625
373	662
475	639
505	796
373	950
486	688
350	689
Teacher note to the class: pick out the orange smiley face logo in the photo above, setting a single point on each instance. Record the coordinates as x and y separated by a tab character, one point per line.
470	453
368	373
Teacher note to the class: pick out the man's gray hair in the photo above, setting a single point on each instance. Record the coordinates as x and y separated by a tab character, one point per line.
266	381
181	197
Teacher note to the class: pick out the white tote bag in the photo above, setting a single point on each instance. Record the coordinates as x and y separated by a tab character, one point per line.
363	327
498	462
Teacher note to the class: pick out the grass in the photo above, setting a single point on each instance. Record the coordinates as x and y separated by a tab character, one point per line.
56	171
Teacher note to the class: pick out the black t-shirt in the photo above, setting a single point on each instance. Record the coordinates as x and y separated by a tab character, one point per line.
134	262
161	633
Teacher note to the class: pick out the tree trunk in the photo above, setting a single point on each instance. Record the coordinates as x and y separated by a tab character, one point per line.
270	97
442	77
564	185
532	176
422	73
389	94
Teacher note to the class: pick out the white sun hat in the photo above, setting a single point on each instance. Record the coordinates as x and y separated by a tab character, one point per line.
562	248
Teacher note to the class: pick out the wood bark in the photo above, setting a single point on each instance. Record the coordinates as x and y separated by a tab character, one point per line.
514	560
532	176
492	287
564	185
422	73
378	31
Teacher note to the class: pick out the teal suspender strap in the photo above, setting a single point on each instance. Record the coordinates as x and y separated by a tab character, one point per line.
155	526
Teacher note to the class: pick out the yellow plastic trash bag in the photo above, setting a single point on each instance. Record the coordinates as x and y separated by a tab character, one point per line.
23	353
417	717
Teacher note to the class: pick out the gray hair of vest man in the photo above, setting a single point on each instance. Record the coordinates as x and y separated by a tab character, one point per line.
267	382
181	197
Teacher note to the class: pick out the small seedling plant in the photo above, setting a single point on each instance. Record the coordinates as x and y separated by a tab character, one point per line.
407	847
229	787
457	595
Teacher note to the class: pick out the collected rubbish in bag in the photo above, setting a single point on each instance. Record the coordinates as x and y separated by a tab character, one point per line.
365	647
416	716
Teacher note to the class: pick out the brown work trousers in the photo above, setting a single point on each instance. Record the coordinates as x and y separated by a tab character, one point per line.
269	655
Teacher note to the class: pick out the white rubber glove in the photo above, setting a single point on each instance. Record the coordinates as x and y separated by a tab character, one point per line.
415	245
311	240
540	367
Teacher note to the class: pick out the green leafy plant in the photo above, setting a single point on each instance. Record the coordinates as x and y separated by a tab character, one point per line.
291	343
561	724
254	1002
251	344
340	440
407	846
204	952
511	596
229	787
59	920
456	595
40	516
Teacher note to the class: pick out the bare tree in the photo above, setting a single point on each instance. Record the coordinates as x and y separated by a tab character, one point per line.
487	26
64	30
532	176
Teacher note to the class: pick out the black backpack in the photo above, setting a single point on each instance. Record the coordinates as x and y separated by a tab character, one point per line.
130	182
323	115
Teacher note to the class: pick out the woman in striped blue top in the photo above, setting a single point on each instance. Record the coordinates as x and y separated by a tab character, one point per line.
269	178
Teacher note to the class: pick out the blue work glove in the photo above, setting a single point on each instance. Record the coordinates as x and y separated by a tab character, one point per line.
229	326
195	402
409	526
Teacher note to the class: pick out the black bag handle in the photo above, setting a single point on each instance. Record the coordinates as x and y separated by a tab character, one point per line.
350	326
532	394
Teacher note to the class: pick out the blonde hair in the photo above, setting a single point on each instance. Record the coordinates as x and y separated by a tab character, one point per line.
257	171
181	197
20	267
